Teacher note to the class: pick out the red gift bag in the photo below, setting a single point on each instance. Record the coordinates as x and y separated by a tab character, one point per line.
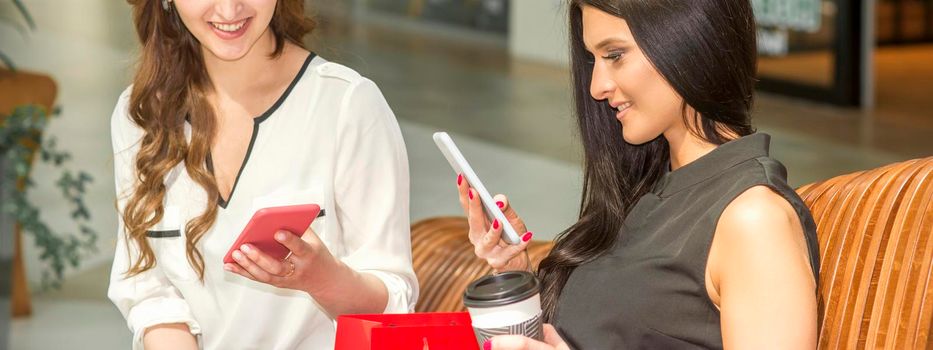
420	331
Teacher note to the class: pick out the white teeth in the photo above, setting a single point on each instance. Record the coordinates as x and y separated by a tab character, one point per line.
229	27
624	106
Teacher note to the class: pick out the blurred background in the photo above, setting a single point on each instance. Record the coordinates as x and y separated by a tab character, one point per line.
844	86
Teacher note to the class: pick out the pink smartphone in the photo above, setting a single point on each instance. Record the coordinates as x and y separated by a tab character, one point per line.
266	222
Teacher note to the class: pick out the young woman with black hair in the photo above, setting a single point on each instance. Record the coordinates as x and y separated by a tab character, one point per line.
689	235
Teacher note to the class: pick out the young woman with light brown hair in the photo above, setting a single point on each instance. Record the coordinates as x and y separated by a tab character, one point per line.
230	113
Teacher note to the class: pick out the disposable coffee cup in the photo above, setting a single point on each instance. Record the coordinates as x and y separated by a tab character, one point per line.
506	303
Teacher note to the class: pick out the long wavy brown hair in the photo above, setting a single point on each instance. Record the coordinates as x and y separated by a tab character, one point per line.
171	86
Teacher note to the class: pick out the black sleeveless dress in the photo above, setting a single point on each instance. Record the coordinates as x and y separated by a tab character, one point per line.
649	290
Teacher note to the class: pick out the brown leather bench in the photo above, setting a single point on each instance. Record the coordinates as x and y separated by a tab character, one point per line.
876	280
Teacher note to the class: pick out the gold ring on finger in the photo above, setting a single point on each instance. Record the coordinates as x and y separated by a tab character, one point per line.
291	268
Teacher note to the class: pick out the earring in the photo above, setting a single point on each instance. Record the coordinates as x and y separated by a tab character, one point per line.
165	4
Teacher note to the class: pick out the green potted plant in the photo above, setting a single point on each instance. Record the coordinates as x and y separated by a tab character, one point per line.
26	107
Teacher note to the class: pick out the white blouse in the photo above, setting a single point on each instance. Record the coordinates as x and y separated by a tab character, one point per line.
331	139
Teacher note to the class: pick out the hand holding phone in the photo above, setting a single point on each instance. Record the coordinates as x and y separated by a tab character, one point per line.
260	230
461	166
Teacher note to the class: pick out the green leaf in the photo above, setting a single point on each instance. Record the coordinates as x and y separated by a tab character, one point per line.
80	213
56	250
22	168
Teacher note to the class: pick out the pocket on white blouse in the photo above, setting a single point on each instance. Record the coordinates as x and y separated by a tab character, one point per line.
285	197
169	243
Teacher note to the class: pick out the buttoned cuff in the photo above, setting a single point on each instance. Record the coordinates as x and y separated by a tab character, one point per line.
399	292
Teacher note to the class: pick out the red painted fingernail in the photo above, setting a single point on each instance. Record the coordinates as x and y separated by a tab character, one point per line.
459	179
471	194
487	345
527	237
495	225
500	204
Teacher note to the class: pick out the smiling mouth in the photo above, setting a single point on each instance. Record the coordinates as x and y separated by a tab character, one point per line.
622	110
624	106
230	27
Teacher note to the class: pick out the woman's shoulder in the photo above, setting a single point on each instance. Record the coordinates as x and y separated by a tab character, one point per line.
758	205
122	127
759	198
357	91
761	225
347	86
759	192
335	73
122	105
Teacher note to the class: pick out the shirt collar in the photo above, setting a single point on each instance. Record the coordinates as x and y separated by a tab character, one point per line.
722	158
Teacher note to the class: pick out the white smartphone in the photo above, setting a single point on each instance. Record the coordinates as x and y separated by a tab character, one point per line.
460	165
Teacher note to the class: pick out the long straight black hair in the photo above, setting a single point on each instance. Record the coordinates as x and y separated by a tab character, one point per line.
707	51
